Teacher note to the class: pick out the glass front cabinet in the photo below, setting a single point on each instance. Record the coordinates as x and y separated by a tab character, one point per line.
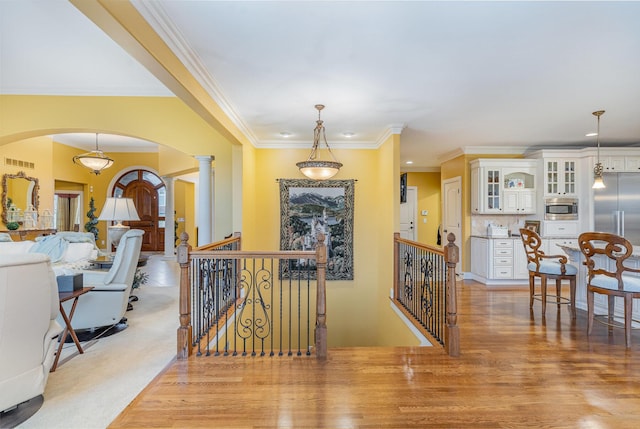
503	186
560	177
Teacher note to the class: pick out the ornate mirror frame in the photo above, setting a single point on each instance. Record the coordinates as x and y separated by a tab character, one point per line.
35	194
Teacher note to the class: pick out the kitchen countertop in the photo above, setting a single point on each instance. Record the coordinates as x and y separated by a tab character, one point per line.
487	237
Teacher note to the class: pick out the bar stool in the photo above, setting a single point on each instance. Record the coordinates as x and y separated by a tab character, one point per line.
545	267
607	275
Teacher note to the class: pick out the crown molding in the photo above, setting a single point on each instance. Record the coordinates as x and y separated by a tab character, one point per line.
483	150
156	16
391	130
407	169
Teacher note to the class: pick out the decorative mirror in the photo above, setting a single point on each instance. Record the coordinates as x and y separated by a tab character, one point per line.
19	192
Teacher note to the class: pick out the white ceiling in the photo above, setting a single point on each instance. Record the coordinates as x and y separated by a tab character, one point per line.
449	74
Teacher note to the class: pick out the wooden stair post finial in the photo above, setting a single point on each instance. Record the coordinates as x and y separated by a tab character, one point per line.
452	330
185	329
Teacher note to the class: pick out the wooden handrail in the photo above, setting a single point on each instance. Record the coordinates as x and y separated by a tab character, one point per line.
185	254
450	253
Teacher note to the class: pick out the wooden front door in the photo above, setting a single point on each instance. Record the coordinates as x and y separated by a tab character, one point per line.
142	186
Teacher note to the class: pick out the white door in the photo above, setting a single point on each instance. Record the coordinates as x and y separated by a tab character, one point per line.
452	211
408	224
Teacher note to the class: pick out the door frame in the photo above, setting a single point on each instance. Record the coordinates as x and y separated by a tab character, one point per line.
457	181
118	175
414	216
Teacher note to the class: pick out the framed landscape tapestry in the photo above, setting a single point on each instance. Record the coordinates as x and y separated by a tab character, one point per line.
308	207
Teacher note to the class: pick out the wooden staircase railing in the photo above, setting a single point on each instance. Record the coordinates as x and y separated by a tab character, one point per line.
258	291
425	289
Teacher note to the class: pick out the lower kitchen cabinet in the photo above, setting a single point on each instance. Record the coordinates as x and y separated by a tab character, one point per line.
498	260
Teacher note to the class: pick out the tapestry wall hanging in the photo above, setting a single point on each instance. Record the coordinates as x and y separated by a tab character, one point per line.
308	207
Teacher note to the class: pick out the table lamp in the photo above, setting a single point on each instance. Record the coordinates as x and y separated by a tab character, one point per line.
118	210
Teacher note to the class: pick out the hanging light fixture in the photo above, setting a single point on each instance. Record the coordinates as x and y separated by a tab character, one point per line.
314	168
598	182
96	160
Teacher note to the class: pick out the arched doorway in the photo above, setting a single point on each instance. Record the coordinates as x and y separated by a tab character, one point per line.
149	195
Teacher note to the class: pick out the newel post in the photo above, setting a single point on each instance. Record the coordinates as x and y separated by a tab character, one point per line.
321	299
452	330
185	329
396	265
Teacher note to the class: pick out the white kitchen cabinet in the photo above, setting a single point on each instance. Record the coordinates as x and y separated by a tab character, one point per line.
519	201
520	270
550	246
560	228
486	183
613	163
560	177
497	259
479	256
632	163
503	186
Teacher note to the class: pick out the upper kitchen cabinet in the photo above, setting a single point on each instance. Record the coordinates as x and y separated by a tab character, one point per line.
503	186
560	177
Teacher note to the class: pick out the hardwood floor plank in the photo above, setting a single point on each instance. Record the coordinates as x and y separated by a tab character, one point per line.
516	370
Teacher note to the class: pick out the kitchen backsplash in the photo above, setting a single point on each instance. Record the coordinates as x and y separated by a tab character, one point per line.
479	223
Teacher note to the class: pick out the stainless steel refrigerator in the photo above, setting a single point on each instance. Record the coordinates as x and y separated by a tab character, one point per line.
617	207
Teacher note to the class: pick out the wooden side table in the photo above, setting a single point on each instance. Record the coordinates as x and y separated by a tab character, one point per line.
68	329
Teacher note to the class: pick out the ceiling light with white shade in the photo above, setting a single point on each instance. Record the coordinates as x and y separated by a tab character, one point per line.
315	168
96	160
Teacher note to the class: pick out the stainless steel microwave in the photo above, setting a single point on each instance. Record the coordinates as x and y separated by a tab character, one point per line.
561	209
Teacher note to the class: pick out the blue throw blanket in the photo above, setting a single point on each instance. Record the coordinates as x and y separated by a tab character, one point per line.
50	245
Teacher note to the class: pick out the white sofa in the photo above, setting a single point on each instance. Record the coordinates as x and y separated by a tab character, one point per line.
107	303
71	251
29	307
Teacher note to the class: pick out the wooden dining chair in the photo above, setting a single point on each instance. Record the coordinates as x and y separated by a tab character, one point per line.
605	255
554	267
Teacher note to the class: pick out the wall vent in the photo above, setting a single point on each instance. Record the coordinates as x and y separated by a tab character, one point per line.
18	163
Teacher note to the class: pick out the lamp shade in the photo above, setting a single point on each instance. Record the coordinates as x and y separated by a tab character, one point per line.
119	209
319	170
96	161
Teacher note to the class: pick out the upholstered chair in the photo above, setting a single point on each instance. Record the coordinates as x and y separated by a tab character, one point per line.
107	303
554	267
29	307
605	256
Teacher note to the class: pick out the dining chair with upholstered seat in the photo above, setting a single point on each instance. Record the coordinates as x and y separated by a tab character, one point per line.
554	267
605	255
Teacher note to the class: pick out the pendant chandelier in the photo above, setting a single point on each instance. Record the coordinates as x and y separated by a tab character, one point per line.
598	182
313	167
96	160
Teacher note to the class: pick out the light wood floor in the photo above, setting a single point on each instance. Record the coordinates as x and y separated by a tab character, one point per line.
516	370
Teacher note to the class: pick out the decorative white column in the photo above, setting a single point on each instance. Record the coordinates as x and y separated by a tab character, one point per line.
204	215
169	218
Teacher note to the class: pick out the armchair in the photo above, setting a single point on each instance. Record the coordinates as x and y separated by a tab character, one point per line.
28	328
605	255
548	267
106	304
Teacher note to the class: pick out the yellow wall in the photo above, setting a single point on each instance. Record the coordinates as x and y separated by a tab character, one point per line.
39	152
349	303
359	312
429	198
185	207
163	120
